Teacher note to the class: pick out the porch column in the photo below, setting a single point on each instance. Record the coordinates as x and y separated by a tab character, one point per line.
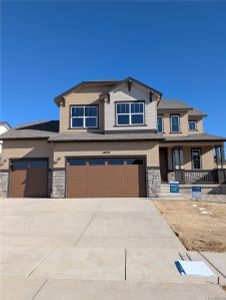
220	163
222	155
218	156
179	164
177	159
181	152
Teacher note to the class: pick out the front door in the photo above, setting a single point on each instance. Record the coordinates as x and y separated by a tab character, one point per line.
163	163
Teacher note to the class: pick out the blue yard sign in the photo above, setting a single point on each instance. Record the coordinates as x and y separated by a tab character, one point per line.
197	192
174	187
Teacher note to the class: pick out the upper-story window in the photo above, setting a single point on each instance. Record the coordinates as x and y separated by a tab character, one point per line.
84	116
130	113
175	123
160	123
192	125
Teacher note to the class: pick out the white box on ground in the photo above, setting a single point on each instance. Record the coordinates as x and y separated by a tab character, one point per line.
195	268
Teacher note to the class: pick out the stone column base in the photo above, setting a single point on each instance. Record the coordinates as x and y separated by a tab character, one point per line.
153	182
58	183
4	181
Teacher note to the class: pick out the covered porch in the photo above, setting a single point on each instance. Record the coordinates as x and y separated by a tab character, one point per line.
193	162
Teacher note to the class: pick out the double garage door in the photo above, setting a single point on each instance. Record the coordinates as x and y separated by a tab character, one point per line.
97	177
28	178
100	177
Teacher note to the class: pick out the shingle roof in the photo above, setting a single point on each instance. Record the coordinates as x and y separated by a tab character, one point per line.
196	113
98	136
173	105
42	129
50	130
195	137
110	84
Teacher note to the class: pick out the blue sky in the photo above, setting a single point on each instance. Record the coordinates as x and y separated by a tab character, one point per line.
177	48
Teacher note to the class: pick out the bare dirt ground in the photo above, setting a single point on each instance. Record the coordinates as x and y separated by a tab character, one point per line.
201	226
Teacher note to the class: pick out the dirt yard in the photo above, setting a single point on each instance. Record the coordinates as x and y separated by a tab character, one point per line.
201	226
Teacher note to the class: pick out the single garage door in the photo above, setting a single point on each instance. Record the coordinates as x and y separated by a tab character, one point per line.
29	178
112	177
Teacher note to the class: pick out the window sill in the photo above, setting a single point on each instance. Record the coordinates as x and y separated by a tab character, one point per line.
83	128
175	132
134	125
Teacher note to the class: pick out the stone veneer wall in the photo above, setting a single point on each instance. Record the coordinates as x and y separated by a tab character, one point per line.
58	183
153	182
4	179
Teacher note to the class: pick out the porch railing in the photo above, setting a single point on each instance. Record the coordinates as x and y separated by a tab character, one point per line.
197	176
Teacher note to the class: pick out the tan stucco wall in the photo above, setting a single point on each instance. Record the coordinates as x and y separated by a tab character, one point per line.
206	152
167	123
207	159
25	149
136	93
83	96
184	118
199	125
107	120
147	149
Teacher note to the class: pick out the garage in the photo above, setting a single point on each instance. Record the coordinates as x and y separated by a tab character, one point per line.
106	177
29	178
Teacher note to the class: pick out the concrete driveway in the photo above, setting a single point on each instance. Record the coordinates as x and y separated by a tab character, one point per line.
92	249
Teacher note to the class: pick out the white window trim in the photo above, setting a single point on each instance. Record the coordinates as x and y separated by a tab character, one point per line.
160	116
171	123
130	114
200	159
192	121
84	117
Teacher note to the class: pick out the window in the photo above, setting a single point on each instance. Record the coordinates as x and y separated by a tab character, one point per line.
20	164
77	162
84	116
115	161
160	123
38	164
196	159
192	125
134	161
97	162
175	123
131	113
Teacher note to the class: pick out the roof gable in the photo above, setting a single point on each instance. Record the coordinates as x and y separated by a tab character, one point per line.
110	85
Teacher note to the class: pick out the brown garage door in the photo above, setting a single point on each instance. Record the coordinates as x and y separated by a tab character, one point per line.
29	178
114	177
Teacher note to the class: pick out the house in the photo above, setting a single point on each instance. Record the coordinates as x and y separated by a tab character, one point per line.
4	126
113	139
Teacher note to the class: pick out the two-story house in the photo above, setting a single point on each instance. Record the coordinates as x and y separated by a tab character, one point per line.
113	139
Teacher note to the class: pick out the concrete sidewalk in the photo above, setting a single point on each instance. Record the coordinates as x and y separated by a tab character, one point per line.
92	249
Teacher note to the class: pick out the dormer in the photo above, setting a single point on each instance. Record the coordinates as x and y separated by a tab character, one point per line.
106	106
195	121
131	105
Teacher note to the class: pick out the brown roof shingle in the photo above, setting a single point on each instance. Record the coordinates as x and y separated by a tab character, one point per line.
34	130
99	136
173	105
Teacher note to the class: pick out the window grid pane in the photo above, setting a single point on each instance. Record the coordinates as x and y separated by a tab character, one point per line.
175	127
192	125
160	123
130	113
84	117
